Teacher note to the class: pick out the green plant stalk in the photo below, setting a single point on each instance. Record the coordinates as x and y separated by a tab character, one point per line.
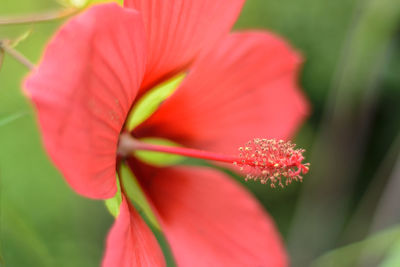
16	55
1	57
39	17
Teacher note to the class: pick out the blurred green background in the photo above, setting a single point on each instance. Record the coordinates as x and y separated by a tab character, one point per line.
346	213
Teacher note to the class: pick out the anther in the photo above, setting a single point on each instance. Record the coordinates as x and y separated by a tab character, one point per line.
282	163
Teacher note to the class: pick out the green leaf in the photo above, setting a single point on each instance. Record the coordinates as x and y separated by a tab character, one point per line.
136	195
152	100
158	158
114	203
369	250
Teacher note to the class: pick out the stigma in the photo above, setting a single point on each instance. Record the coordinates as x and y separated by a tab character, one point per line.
272	161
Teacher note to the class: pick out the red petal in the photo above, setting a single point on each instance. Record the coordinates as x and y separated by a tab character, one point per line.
178	30
131	243
245	88
83	89
210	220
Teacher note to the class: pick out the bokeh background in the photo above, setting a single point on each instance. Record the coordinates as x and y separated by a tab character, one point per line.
347	211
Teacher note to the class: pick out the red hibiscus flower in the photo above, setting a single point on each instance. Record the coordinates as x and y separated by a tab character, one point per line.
238	86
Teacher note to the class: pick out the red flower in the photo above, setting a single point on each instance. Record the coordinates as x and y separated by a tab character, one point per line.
239	86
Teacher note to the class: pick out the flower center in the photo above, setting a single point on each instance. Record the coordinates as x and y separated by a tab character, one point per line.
266	160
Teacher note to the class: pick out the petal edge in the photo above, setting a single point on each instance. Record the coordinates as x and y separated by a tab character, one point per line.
82	91
130	242
210	220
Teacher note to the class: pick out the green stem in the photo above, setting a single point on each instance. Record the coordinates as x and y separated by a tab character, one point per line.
40	17
1	57
16	55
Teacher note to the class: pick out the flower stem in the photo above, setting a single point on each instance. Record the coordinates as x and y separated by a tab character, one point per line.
17	55
40	17
1	57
